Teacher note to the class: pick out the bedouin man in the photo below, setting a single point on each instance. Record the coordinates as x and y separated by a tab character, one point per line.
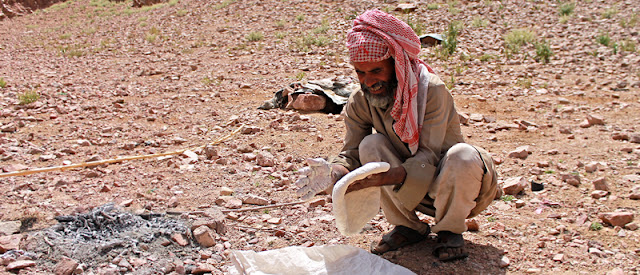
417	131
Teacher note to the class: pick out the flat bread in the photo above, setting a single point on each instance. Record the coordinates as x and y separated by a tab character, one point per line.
352	211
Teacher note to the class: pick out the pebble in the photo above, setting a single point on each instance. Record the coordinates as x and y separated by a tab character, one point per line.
600	184
521	152
65	266
204	236
504	262
616	218
515	185
20	264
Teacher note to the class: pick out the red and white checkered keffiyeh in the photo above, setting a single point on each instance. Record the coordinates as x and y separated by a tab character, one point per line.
376	36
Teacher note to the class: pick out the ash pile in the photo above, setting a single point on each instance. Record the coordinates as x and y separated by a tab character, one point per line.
107	240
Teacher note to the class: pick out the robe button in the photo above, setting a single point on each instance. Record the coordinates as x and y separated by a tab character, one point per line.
422	165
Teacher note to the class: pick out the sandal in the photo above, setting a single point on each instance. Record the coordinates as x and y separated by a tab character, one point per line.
398	237
450	247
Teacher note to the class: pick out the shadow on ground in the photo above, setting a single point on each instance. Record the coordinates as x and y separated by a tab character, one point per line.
483	259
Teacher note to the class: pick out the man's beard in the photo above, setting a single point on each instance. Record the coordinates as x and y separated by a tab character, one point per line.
384	99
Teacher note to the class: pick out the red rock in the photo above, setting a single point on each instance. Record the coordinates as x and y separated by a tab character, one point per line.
253	199
515	185
317	202
616	218
204	236
20	264
599	194
14	167
203	268
521	152
309	102
472	225
600	184
66	266
179	239
10	242
594	119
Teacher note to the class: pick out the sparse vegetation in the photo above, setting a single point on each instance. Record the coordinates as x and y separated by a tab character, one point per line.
280	24
631	23
566	9
254	36
485	57
507	198
417	27
628	45
223	4
604	39
479	22
433	6
300	17
28	97
595	226
609	13
450	41
524	82
323	28
181	13
3	83
517	38
300	76
543	52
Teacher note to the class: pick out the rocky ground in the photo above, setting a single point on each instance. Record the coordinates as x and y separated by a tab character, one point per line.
92	79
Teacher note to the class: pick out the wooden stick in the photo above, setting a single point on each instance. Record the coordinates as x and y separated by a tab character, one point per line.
262	207
119	159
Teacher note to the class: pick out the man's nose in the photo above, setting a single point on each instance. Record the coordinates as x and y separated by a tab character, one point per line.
370	81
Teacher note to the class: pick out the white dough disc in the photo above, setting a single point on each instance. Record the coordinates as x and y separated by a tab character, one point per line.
353	210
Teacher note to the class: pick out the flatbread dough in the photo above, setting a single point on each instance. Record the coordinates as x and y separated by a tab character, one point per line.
353	210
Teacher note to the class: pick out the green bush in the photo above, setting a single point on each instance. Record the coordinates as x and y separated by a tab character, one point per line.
604	39
628	45
566	9
479	22
450	41
254	36
610	12
433	6
543	52
2	83
595	226
517	38
28	97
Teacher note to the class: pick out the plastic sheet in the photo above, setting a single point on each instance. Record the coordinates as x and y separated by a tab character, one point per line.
317	260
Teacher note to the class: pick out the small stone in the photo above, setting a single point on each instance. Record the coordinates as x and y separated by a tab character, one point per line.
66	266
191	156
173	202
265	159
558	257
274	221
20	264
226	191
253	199
635	138
631	226
515	185
616	218
9	227
406	7
10	242
571	179
14	168
126	203
599	194
317	202
521	152
594	119
203	268
520	203
600	184
179	239
591	167
204	236
210	152
616	271
472	225
504	262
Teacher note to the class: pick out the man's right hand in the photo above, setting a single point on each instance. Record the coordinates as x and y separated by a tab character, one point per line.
317	177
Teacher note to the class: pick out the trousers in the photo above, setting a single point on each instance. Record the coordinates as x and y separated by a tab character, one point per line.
464	185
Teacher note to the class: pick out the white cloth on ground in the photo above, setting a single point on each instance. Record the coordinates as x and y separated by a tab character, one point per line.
317	260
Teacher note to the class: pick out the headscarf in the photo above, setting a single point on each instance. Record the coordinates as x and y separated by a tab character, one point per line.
376	36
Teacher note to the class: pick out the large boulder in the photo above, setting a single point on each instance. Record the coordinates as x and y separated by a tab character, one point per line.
11	8
140	3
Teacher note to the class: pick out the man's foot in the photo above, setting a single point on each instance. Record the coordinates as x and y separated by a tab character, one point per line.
450	247
398	237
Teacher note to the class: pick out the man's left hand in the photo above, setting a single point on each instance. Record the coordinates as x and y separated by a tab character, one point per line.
394	176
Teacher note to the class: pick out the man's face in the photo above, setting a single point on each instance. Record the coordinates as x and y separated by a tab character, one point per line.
378	81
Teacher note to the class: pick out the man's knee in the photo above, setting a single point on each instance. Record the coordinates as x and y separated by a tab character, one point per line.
372	142
463	155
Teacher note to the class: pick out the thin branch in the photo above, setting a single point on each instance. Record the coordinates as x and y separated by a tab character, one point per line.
116	160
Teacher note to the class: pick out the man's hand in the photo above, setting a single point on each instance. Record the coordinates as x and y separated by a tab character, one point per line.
318	176
394	176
